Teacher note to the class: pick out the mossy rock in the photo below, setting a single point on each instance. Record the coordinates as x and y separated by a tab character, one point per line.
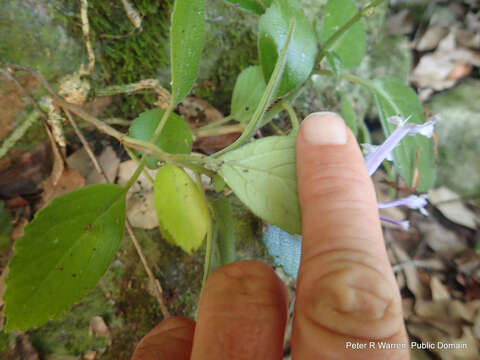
458	137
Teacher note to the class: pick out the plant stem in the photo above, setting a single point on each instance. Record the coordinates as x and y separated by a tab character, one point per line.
350	77
215	123
267	97
356	18
136	174
135	158
220	130
208	255
292	115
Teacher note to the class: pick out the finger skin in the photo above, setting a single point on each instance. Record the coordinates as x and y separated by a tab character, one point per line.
170	340
242	314
346	291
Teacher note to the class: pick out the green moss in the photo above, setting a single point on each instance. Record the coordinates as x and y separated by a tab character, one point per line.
230	46
124	54
69	334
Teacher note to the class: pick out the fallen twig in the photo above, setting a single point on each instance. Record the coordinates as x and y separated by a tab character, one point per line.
86	37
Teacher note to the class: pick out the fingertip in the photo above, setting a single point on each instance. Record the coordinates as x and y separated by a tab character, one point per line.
243	310
324	128
171	339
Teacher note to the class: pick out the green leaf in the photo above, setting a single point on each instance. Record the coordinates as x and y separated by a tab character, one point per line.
267	96
335	63
254	6
186	41
218	183
65	250
263	176
248	91
352	45
301	54
224	224
175	137
5	226
395	98
349	114
181	208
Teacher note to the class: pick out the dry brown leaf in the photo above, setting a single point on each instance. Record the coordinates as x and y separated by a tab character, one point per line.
140	205
109	161
468	262
476	326
212	144
411	276
431	38
69	180
439	291
24	349
90	355
17	231
28	171
198	112
434	69
80	161
432	336
400	23
444	242
452	207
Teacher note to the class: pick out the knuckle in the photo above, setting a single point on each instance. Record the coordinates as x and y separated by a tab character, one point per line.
328	184
350	296
248	282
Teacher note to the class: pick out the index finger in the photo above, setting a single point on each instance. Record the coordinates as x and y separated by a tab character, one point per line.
346	291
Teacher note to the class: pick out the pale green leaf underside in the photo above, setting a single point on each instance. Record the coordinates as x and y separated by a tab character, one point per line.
395	98
182	210
352	45
64	252
186	41
263	176
247	93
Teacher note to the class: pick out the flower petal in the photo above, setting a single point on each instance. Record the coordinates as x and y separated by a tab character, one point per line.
403	224
376	157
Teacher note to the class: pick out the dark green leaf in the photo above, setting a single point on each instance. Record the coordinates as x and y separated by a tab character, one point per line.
352	45
182	210
263	176
395	98
349	115
273	29
254	6
248	91
64	252
175	137
224	225
186	41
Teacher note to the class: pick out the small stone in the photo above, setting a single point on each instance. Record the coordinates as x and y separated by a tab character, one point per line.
98	327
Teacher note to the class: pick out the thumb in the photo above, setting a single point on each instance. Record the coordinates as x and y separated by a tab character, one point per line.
346	291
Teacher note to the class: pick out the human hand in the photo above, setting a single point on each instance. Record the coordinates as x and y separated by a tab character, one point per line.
346	291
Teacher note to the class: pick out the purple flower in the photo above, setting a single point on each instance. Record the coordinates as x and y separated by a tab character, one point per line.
377	154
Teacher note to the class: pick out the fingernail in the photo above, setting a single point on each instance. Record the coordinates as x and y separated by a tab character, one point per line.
324	128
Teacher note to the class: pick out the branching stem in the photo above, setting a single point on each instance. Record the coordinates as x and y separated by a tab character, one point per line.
356	18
